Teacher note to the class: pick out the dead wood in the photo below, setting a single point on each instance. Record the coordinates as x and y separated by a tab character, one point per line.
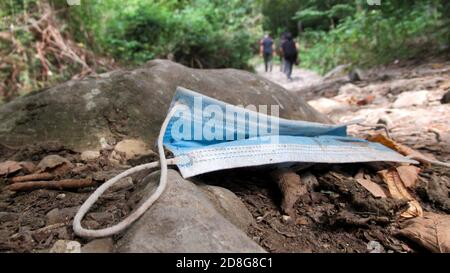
53	185
291	189
33	177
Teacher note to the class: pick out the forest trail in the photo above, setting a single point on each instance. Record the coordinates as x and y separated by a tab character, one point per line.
406	97
300	77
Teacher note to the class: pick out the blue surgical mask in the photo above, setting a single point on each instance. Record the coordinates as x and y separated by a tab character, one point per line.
207	135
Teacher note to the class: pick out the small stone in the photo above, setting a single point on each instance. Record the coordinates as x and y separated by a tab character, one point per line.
53	216
61	196
40	236
327	106
65	246
63	233
309	180
105	145
69	213
286	219
385	120
375	247
355	75
100	217
446	98
412	98
131	147
104	245
122	184
128	149
61	215
89	155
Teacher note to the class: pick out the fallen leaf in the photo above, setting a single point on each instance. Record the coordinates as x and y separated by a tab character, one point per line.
398	191
51	161
55	164
29	167
9	166
432	231
375	189
367	100
414	210
409	175
389	178
403	149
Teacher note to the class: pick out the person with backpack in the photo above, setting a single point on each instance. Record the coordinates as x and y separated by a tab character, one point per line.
266	50
280	50
290	55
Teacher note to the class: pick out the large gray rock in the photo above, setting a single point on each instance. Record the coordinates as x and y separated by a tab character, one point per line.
132	104
229	205
183	220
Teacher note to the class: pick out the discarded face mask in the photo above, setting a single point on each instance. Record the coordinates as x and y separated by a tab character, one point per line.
206	135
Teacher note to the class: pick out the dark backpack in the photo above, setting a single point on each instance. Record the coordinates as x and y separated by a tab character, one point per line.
289	49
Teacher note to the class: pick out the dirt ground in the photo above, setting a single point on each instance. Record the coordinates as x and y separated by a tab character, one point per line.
335	215
334	218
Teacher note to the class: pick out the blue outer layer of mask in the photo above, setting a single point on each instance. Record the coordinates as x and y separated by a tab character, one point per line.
248	138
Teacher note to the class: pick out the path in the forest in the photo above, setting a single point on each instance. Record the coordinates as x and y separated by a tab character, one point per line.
300	77
405	96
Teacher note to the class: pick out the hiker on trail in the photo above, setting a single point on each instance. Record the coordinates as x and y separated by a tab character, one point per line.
280	50
266	50
290	55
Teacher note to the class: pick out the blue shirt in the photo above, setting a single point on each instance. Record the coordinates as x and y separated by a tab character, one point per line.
267	44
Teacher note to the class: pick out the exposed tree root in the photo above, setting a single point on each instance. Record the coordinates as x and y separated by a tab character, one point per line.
291	188
54	185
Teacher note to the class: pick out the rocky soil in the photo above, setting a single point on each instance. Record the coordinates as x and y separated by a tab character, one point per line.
411	99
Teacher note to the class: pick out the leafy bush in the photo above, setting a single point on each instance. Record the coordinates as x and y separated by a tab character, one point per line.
198	34
377	36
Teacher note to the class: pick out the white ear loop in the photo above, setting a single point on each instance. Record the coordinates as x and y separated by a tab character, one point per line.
162	163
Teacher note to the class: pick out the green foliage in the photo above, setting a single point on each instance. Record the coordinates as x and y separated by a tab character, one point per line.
197	33
208	34
277	15
375	36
